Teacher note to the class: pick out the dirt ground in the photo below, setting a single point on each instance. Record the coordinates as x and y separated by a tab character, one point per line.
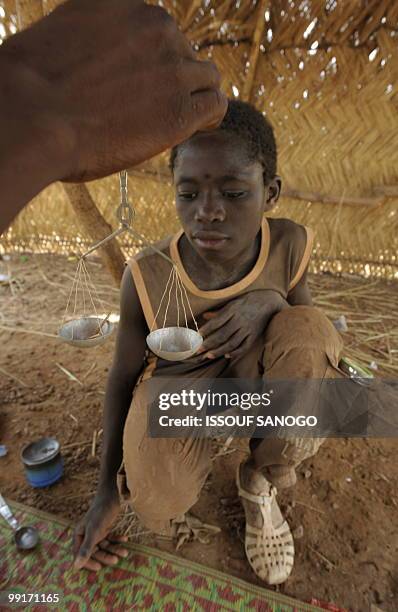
343	510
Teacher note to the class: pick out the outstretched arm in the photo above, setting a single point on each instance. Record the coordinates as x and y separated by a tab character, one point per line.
94	88
126	367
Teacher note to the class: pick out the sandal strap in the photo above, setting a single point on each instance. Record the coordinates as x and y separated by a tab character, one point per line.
280	532
269	549
263	500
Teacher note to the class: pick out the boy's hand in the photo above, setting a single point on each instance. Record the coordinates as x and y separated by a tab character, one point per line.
94	545
232	329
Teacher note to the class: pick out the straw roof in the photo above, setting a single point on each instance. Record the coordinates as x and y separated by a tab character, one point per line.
325	74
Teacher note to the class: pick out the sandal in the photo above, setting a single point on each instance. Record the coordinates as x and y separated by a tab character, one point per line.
269	550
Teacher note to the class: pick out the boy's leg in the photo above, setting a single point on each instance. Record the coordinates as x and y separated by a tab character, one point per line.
300	343
163	476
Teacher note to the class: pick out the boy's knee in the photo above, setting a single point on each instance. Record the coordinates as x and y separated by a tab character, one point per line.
163	492
300	327
164	482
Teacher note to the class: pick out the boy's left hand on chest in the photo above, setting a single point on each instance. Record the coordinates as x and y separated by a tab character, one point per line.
232	330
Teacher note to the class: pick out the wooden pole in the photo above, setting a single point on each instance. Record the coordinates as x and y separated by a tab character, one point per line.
196	4
255	50
52	4
91	218
296	194
29	11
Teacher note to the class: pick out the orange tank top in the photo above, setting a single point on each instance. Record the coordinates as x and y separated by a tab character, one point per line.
284	254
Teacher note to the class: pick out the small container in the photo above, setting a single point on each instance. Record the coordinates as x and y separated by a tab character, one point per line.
360	373
43	462
26	538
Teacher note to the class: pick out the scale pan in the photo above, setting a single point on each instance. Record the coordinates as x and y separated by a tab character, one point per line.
26	538
174	343
84	332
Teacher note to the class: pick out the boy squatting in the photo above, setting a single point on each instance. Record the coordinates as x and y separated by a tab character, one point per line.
245	275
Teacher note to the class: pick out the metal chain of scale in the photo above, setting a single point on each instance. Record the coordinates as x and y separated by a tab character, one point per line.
88	329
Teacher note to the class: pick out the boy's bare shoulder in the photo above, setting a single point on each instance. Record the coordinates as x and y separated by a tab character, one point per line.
148	252
286	230
130	305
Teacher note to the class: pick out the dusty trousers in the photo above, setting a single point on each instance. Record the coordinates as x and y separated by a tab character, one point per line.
162	477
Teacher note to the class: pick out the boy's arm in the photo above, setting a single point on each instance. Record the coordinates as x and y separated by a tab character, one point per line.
300	294
126	367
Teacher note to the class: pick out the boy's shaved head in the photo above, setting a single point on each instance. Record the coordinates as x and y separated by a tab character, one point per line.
247	125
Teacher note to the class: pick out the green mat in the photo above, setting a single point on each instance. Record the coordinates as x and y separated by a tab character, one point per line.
147	580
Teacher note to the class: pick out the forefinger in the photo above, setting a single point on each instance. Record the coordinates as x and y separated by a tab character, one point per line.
219	320
91	565
114	537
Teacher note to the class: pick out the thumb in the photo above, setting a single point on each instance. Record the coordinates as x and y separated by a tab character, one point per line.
209	106
86	549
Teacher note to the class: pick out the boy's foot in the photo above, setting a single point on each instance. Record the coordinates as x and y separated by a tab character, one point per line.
281	476
268	542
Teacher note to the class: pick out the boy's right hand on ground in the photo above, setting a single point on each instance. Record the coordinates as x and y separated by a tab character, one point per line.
94	545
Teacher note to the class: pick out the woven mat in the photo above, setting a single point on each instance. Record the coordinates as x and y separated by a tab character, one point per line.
147	580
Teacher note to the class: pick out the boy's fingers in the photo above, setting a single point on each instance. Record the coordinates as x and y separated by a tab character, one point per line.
91	565
115	549
216	323
105	558
239	350
114	545
219	337
209	315
224	346
112	537
218	352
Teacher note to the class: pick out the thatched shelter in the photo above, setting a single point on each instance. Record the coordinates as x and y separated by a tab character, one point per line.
325	72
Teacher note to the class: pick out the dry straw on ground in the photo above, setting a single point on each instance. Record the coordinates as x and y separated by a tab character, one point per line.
369	306
325	73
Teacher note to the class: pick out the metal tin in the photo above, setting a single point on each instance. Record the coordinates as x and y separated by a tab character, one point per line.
43	462
26	538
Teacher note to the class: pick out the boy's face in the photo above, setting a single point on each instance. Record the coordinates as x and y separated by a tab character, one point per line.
220	196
